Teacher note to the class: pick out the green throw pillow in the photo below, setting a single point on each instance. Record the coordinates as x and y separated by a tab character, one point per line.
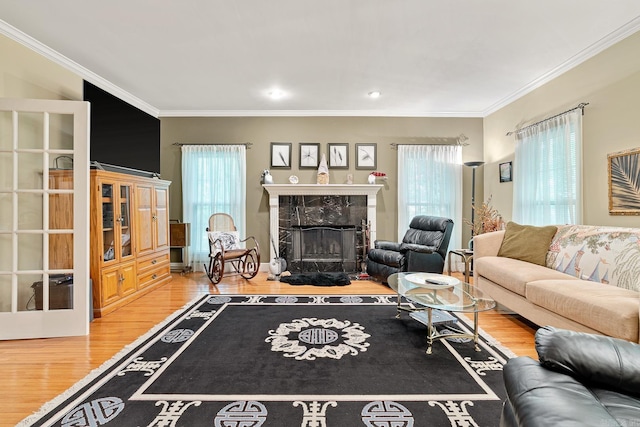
527	243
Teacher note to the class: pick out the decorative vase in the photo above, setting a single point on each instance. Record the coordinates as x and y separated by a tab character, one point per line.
277	266
266	177
371	179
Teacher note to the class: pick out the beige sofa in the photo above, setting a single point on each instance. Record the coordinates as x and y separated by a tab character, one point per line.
590	281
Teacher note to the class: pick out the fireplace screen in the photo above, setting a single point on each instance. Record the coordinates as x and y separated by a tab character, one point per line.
313	247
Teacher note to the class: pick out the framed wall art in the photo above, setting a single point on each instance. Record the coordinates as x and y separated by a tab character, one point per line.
366	157
338	156
624	182
309	155
281	155
506	172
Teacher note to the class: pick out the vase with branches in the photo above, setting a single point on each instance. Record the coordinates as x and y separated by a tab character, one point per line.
486	219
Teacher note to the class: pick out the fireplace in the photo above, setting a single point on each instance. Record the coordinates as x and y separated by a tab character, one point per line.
320	227
319	233
323	248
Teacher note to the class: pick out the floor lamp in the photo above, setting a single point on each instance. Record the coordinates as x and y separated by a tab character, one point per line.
474	166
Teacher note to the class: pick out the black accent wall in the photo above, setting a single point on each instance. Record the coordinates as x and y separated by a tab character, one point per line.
122	134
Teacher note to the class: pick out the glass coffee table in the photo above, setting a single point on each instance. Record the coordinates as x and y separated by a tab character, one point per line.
429	291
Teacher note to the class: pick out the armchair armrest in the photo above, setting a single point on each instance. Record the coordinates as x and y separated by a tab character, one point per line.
386	245
487	244
539	397
598	359
423	249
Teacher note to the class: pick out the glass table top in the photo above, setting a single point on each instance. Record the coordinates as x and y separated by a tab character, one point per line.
440	292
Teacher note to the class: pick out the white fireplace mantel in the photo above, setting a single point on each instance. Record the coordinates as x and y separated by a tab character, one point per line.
277	190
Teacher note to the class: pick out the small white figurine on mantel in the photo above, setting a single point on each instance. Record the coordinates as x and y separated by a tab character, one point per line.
266	177
375	175
349	178
323	171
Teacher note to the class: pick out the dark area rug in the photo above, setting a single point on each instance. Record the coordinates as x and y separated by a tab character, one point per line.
289	361
317	279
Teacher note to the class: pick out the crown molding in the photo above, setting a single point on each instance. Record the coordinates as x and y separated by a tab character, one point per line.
609	40
55	56
315	113
614	37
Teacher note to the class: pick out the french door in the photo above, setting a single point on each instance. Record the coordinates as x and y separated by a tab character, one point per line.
44	218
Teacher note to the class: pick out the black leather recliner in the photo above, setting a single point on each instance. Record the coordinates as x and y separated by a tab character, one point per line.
581	380
423	249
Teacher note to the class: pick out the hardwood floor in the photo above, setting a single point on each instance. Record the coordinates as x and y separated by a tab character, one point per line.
35	371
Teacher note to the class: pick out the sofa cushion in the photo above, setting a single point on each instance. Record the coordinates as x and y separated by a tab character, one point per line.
513	274
601	254
527	242
228	239
608	309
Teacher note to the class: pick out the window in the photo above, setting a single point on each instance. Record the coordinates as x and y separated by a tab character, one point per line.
430	183
213	180
548	172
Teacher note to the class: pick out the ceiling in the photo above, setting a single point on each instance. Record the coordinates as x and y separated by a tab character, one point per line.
428	58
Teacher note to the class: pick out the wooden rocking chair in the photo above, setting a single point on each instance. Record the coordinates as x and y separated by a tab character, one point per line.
224	248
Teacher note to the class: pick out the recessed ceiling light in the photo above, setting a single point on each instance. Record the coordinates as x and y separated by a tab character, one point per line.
276	94
374	94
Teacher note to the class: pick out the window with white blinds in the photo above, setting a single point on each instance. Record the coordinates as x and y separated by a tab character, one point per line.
548	172
430	183
213	181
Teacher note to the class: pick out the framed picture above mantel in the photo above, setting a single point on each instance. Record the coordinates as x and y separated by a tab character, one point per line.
366	156
309	155
281	155
338	156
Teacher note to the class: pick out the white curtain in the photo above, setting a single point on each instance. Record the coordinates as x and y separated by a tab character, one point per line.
430	183
213	180
547	172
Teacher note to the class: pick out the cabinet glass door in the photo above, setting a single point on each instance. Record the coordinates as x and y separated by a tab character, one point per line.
108	222
124	221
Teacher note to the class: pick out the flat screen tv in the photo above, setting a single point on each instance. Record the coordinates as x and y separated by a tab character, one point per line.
121	134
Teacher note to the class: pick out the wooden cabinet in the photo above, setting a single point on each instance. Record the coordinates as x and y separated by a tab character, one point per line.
129	220
116	283
152	216
114	201
152	238
153	268
162	218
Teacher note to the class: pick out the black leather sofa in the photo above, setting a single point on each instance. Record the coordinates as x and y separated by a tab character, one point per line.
581	380
423	248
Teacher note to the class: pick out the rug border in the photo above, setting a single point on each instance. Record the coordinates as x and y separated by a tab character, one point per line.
95	373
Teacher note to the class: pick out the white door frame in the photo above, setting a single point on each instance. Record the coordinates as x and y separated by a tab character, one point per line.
18	323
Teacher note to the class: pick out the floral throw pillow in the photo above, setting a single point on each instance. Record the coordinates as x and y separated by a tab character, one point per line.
228	239
609	255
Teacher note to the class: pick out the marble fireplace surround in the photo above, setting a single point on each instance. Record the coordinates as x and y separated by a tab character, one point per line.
277	190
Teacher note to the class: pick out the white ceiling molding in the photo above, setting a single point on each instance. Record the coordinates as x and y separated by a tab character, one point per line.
314	113
431	70
620	34
38	47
